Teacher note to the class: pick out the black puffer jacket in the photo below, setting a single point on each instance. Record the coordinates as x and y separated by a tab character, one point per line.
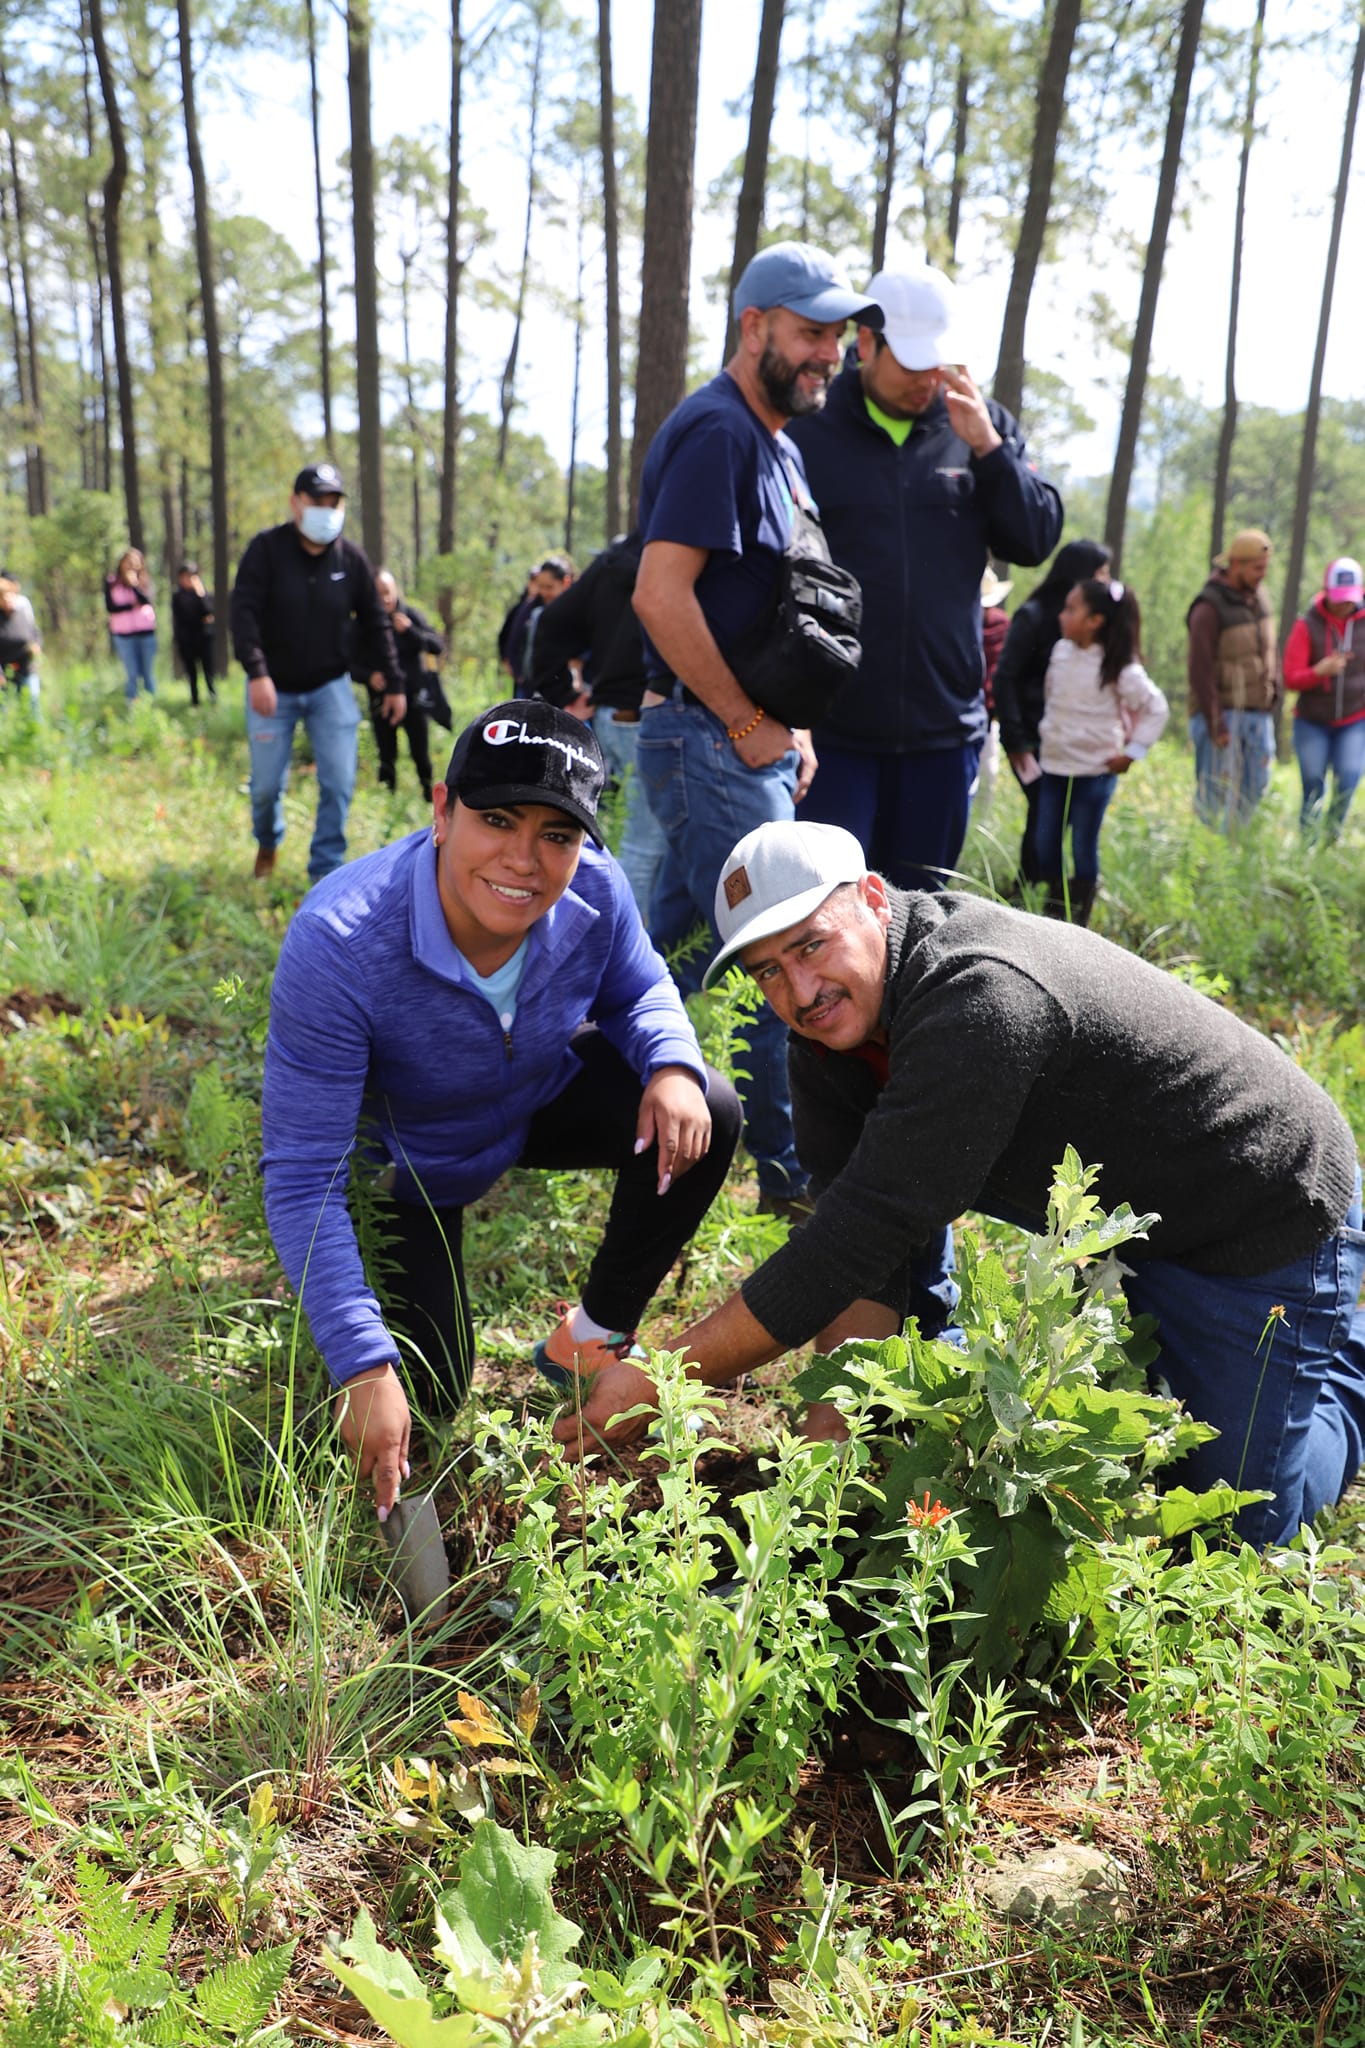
1020	680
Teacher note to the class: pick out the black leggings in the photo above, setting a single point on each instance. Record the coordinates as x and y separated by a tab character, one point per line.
386	740
592	1123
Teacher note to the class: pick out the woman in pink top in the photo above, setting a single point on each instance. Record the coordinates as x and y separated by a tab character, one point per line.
132	621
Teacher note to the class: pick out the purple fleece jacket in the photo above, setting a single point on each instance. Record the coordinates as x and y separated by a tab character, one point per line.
375	1022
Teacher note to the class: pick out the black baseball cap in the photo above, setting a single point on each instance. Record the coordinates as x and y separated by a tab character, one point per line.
526	752
319	480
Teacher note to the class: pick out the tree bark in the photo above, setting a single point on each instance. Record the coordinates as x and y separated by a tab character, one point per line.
571	485
1228	431
1008	388
324	321
17	345
508	389
665	268
113	249
208	297
611	234
961	119
1303	491
370	446
105	475
448	508
407	257
1191	20
38	493
749	211
894	67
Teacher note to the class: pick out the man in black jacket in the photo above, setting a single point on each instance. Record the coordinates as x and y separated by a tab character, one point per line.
945	1052
415	637
918	479
303	597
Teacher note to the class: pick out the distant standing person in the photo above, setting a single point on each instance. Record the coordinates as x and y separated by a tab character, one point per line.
302	597
132	622
551	575
1020	678
919	479
1234	683
1102	713
995	625
1324	664
192	629
414	636
20	640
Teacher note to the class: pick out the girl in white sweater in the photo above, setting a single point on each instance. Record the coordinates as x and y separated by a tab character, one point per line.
1102	713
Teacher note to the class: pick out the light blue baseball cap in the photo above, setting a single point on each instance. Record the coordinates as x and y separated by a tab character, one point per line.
804	280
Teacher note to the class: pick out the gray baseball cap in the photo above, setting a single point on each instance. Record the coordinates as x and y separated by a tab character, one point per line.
777	875
804	280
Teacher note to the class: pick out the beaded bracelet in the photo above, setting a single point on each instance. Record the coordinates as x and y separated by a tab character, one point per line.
741	732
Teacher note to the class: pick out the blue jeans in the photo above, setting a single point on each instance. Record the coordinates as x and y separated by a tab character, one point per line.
1276	1362
1230	781
705	800
330	716
1320	747
908	812
23	675
643	845
137	652
1077	802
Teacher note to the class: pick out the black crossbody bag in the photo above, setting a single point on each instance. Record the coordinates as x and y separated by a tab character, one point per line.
807	648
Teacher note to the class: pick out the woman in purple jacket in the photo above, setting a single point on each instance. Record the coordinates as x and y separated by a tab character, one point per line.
464	1001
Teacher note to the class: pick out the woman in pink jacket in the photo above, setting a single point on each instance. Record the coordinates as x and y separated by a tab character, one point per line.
1324	661
132	621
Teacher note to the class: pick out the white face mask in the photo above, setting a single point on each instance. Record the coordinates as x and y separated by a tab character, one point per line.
321	523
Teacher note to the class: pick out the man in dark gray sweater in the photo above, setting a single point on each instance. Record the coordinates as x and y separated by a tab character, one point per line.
945	1051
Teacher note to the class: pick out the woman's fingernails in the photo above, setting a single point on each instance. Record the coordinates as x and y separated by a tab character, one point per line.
407	1469
639	1146
383	1514
665	1184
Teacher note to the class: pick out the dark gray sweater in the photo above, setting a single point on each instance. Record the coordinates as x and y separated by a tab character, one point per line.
1011	1037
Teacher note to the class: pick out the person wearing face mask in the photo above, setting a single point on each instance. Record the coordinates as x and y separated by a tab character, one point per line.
305	611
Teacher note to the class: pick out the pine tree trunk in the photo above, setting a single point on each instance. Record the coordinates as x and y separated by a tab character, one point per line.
17	346
1191	19
1228	431
38	472
570	494
370	445
749	211
508	389
1303	490
104	476
961	118
324	320
208	295
611	233
667	259
113	249
887	139
1008	388
448	508
407	257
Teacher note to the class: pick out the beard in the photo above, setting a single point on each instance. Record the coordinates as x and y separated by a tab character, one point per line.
781	383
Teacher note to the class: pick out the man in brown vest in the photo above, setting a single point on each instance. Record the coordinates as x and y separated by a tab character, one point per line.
1234	683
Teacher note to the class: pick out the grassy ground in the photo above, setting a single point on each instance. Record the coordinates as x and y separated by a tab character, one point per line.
206	1684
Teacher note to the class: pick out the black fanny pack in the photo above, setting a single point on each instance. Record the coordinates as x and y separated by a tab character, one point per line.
807	648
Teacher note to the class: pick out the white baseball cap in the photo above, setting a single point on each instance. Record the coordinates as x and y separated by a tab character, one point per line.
1343	581
778	874
919	316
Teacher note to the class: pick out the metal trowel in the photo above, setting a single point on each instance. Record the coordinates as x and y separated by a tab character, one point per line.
417	1558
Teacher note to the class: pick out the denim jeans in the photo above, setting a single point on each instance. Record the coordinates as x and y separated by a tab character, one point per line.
908	812
137	652
1230	781
643	845
330	716
1276	1362
23	676
1320	747
705	800
1077	803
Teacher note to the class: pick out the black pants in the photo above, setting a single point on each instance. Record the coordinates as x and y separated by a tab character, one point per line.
1029	868
194	659
592	1123
386	740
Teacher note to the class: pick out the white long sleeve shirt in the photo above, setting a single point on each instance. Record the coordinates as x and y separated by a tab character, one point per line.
1086	722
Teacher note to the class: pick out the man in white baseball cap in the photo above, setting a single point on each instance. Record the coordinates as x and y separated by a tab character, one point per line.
945	1051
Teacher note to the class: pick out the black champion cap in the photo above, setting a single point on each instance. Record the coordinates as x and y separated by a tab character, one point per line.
526	752
319	480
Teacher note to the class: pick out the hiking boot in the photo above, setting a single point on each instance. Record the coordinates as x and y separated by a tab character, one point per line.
560	1358
265	863
797	1208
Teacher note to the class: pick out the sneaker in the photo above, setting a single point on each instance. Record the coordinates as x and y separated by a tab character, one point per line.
265	863
561	1359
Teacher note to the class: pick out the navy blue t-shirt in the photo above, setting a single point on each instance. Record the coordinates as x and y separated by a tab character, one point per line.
717	478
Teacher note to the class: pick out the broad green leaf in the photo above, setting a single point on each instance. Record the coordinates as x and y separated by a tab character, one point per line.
501	1900
1020	1561
392	1994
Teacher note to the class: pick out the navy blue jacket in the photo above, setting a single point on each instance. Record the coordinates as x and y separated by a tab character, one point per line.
915	525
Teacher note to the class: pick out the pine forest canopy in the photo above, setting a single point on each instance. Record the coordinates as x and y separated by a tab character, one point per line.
234	233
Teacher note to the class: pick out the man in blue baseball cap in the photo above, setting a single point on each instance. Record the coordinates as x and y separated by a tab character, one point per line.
719	499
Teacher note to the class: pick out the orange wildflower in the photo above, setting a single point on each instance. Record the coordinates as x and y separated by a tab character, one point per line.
920	1515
